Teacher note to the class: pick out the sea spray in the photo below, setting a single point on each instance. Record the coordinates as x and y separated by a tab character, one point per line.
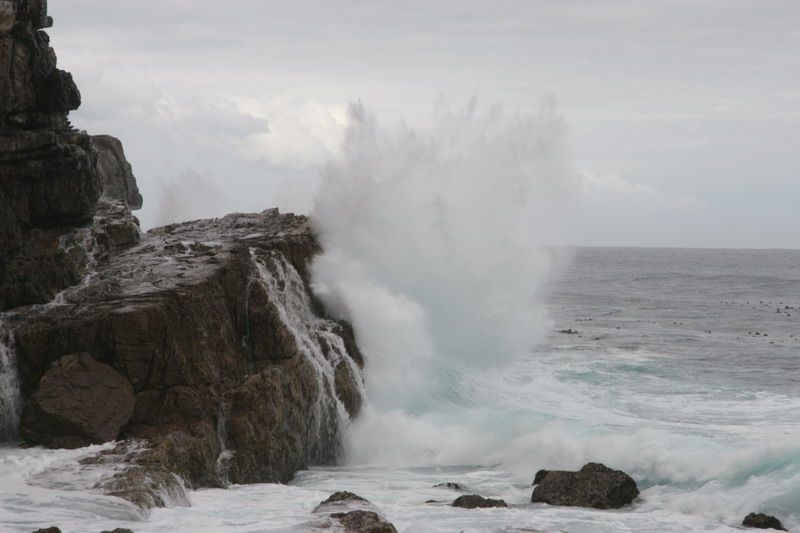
436	249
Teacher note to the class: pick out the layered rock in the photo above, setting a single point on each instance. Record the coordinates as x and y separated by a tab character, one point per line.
198	346
50	179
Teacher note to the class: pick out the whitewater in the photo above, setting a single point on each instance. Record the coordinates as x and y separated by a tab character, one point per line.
491	354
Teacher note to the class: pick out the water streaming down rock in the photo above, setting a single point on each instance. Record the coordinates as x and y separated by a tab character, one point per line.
10	402
320	342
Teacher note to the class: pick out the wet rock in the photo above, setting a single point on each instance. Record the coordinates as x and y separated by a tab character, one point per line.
77	402
118	530
51	529
363	522
594	485
473	501
178	323
762	521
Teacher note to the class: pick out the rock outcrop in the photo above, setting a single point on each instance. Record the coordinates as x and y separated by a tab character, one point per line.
198	346
212	326
595	485
51	176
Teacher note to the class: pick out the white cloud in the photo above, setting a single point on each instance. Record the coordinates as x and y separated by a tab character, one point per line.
299	135
613	190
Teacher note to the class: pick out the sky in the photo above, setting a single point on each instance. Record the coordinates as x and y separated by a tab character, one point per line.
683	115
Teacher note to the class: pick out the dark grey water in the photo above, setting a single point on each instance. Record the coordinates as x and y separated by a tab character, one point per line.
724	315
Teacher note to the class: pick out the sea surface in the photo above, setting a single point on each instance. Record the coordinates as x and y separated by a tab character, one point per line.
679	366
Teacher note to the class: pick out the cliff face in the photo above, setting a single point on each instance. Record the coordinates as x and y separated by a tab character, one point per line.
50	180
198	346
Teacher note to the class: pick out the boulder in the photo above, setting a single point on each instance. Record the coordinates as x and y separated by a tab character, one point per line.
77	402
363	522
595	485
473	501
762	521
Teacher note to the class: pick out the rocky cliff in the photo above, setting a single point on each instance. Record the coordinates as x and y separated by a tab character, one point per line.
198	346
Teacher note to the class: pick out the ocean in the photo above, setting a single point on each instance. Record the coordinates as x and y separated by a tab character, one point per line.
679	366
491	354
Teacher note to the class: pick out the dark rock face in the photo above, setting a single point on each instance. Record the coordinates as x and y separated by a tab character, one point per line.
78	402
594	485
51	176
473	501
762	521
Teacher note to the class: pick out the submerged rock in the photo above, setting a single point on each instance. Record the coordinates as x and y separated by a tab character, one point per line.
762	521
473	501
595	485
363	522
450	485
342	496
350	513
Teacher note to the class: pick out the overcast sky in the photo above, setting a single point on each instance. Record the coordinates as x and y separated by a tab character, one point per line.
683	115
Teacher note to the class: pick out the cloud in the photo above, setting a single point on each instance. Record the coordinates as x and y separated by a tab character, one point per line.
299	135
613	190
